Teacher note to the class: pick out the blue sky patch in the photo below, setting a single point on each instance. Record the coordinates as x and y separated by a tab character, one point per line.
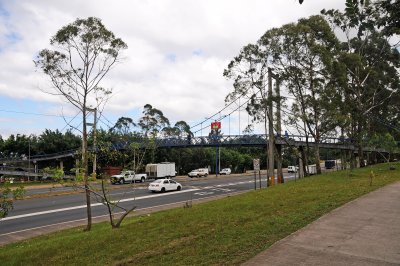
13	37
3	11
198	52
171	57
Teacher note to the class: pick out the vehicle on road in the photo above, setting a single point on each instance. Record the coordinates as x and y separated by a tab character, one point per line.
128	176
163	185
292	169
329	164
198	172
225	171
312	169
160	170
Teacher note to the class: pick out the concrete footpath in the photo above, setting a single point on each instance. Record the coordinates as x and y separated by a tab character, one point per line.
364	232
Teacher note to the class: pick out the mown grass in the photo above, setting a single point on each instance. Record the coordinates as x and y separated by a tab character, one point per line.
224	232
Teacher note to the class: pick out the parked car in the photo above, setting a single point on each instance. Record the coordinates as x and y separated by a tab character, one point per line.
128	176
225	171
162	185
292	169
198	172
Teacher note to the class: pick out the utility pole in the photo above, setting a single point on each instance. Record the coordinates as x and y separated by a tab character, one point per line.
29	159
95	142
279	129
271	168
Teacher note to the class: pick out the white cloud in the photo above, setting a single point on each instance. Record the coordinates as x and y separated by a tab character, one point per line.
203	36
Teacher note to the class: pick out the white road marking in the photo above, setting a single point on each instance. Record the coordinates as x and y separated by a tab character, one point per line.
223	189
230	184
203	193
93	205
84	219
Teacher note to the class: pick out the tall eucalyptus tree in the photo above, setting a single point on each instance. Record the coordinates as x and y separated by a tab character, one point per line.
84	52
303	56
371	67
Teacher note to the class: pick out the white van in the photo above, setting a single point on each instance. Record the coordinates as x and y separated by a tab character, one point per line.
292	169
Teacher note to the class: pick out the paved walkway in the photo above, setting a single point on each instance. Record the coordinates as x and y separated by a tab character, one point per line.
363	232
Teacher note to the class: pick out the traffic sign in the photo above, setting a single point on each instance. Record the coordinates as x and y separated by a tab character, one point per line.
256	164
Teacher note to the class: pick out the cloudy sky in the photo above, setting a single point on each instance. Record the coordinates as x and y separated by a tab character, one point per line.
177	51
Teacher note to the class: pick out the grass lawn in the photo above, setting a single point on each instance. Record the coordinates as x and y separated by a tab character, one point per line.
224	232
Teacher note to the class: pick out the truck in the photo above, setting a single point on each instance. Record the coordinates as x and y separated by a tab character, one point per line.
198	172
127	176
160	170
312	169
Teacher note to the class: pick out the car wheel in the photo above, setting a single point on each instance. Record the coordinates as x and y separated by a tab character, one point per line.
122	181
206	175
198	176
179	188
142	180
163	190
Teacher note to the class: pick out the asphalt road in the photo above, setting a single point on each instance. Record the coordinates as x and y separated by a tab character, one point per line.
33	214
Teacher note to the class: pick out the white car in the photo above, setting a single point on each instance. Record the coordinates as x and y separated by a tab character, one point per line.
225	171
162	185
128	176
292	169
198	172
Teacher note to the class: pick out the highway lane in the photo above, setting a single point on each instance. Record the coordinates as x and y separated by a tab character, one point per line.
34	213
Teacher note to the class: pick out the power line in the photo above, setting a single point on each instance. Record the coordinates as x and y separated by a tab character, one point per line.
28	113
226	106
224	116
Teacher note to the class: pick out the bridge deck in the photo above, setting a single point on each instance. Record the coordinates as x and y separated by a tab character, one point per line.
221	141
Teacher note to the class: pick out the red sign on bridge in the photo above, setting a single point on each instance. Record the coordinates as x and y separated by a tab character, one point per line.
215	125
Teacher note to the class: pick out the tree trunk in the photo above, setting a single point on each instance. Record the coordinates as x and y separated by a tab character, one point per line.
342	159
305	162
361	156
279	164
85	171
279	129
317	158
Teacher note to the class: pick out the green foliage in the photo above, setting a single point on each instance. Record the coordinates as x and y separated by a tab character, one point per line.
224	232
7	196
55	141
124	126
389	11
56	174
369	79
152	121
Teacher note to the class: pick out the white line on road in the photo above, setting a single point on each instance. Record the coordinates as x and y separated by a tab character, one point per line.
84	219
93	205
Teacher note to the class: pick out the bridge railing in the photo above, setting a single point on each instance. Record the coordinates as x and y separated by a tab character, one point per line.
209	141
